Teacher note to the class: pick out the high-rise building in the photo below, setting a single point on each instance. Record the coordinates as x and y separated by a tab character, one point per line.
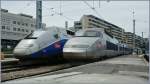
15	27
90	21
129	39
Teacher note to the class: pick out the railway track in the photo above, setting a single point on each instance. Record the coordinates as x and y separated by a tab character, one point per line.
15	73
21	70
33	70
17	68
23	65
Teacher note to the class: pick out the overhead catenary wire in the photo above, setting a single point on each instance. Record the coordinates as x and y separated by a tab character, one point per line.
52	10
58	13
28	4
93	9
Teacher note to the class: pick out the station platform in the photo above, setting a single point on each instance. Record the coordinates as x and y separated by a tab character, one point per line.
127	69
9	60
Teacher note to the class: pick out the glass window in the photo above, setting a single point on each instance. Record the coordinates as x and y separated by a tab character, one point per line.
14	29
3	20
8	28
3	27
89	33
92	34
34	35
14	22
18	23
77	46
26	24
22	24
18	29
27	31
31	25
22	30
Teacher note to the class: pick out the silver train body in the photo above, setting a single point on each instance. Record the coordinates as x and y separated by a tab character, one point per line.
42	44
93	44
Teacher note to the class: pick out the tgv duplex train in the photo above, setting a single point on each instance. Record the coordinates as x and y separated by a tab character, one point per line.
94	44
42	44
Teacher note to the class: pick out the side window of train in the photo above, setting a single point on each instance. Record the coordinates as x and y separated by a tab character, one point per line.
56	36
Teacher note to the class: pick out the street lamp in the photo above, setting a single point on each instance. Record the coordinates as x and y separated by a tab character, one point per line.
133	33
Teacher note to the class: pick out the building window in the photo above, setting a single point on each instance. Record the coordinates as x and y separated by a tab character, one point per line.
31	25
26	24
3	20
3	27
18	23
14	29
22	24
27	31
31	30
8	28
22	30
18	29
14	22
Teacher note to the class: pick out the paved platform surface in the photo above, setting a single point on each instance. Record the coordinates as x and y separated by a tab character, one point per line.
121	70
9	60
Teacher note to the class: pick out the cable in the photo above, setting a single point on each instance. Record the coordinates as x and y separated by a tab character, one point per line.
59	13
27	5
92	9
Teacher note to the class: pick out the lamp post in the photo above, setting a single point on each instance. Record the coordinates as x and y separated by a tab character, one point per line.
38	14
133	32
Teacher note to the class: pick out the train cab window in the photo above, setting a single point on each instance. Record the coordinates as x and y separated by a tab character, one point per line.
89	34
77	46
93	34
34	35
30	36
56	36
79	33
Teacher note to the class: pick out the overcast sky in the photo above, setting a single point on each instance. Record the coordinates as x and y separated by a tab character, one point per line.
116	12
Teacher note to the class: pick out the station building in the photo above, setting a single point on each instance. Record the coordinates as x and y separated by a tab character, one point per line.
15	27
90	21
129	39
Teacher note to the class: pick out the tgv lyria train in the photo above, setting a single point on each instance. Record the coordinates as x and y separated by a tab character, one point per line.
93	43
42	44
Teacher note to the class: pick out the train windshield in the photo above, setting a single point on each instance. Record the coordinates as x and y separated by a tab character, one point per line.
89	34
34	35
30	36
77	46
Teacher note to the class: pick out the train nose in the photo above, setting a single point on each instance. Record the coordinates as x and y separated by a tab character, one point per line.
74	54
19	52
22	50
